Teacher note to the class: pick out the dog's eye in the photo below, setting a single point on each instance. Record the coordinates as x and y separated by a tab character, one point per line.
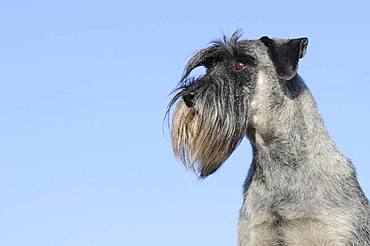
239	66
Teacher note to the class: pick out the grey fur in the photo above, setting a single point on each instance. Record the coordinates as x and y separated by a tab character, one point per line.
300	190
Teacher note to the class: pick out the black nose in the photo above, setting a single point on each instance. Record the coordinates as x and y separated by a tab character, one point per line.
189	99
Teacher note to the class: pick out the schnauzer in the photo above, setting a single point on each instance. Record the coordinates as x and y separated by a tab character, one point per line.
300	190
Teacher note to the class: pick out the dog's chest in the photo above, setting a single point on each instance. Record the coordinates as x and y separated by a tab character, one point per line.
268	227
298	232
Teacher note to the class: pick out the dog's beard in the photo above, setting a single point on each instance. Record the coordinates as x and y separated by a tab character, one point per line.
205	135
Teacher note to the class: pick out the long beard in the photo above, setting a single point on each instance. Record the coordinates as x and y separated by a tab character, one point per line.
205	135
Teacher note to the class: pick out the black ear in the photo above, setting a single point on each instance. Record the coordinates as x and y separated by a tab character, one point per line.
285	54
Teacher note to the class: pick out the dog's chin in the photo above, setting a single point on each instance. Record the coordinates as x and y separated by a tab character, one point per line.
203	137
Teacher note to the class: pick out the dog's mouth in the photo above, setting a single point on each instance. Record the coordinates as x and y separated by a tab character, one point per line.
206	128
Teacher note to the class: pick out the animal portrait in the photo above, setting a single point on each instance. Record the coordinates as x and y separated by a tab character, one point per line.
300	189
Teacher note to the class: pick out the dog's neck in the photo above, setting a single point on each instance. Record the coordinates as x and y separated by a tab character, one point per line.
292	137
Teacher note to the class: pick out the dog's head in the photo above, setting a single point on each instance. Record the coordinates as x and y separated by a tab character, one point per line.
213	111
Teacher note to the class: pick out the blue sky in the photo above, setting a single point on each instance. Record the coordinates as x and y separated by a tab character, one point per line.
83	89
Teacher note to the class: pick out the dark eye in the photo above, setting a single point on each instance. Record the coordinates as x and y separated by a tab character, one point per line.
239	66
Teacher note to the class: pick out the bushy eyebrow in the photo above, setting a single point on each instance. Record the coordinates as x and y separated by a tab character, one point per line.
219	48
201	58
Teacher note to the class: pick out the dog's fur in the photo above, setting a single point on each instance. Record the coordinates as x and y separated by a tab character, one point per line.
300	190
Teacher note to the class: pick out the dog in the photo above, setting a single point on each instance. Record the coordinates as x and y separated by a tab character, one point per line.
300	190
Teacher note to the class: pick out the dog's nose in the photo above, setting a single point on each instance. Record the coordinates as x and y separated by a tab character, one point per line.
189	99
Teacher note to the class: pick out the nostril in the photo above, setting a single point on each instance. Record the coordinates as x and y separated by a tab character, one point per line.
189	99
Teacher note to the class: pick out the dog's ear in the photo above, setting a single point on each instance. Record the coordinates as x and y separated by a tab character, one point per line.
285	54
